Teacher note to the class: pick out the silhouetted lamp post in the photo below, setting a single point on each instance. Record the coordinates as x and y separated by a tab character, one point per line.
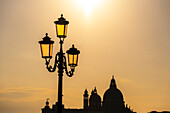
46	46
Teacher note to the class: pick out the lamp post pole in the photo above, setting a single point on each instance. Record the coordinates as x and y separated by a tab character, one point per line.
60	59
60	79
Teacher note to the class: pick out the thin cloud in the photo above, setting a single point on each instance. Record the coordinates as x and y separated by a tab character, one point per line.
123	80
24	94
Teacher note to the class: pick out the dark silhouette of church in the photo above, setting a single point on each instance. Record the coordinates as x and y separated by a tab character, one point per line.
113	102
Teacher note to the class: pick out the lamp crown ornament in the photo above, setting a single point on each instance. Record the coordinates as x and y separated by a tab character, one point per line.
61	20
73	50
46	40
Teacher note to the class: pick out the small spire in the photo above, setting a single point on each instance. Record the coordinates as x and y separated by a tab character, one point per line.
113	82
86	92
73	46
47	103
112	76
95	90
46	34
61	15
92	92
126	105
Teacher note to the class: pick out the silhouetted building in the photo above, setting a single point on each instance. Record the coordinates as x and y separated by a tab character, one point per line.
159	112
113	102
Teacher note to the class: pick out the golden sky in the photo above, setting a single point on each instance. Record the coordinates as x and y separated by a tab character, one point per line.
127	38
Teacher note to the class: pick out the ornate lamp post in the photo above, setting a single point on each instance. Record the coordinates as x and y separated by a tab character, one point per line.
46	46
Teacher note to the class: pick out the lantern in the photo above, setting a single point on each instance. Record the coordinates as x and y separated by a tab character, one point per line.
73	56
46	46
61	27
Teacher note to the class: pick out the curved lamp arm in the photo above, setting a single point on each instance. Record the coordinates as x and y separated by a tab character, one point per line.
69	73
49	67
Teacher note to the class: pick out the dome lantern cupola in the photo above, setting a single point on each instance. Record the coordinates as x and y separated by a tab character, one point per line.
113	83
47	103
95	90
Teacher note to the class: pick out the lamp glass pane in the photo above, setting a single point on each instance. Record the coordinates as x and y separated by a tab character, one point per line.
65	30
45	50
60	30
75	59
70	59
51	49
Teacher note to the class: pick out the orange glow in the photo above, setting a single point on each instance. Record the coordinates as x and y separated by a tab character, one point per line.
45	49
62	30
72	59
127	38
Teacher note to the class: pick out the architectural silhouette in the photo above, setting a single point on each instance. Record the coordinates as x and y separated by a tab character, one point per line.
113	102
159	112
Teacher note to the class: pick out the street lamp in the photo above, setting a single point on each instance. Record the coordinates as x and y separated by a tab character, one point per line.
72	56
61	27
46	46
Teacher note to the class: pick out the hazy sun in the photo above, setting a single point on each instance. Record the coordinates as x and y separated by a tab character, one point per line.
87	5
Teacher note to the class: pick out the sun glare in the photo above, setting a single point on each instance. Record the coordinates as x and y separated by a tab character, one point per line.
87	5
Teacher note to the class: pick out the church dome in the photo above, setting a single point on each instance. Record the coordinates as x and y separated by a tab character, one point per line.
95	97
113	98
113	94
94	100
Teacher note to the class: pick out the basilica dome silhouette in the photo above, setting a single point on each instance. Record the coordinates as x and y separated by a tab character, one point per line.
113	98
113	94
94	100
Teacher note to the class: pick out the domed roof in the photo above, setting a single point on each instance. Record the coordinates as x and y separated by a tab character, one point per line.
113	94
94	96
95	100
113	99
